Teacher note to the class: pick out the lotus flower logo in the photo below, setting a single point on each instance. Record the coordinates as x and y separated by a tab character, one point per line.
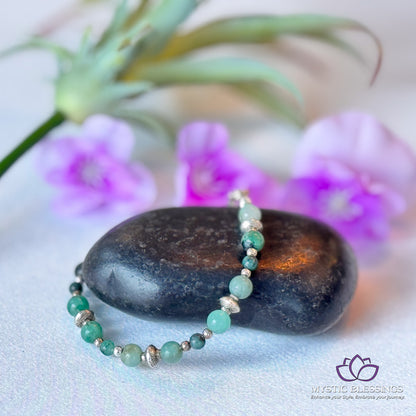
357	368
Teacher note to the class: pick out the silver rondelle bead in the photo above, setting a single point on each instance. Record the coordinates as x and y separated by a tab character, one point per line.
207	333
229	304
117	351
235	197
151	356
251	252
251	224
185	345
246	272
244	200
82	317
76	293
98	342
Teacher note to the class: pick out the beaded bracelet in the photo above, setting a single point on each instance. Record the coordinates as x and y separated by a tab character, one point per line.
218	321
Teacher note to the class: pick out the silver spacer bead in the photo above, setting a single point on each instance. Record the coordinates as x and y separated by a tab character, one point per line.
207	333
229	305
252	224
185	345
151	356
78	273
98	342
76	293
246	272
234	297
117	351
82	317
252	252
245	200
237	197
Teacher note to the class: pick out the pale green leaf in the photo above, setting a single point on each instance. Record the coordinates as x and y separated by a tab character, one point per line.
159	128
220	70
118	91
119	19
272	101
161	21
265	29
39	43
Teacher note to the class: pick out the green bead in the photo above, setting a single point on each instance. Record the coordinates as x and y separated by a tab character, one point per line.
248	212
77	304
241	286
75	286
253	239
197	341
171	352
107	347
250	262
131	355
218	321
91	331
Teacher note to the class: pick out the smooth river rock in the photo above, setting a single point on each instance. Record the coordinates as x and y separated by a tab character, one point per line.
175	263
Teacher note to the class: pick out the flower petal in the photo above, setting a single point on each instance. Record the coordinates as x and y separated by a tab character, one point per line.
201	139
360	143
209	170
368	372
76	202
344	373
116	135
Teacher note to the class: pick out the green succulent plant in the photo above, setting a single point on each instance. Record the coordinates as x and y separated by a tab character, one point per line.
144	48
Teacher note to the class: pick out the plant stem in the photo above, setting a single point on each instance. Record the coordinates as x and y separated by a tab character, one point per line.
55	120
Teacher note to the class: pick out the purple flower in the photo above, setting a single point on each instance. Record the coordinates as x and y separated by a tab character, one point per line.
352	173
344	204
357	369
208	169
355	145
93	171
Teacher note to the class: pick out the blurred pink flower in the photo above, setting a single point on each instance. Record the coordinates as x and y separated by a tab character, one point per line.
93	170
344	204
208	169
352	173
355	145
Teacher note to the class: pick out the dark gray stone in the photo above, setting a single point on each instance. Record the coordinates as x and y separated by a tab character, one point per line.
176	263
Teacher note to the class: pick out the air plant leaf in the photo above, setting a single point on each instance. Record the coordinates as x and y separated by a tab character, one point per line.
120	18
219	70
161	21
63	55
272	101
155	124
265	29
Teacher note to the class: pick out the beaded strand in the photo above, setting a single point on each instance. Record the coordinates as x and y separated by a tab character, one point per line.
218	321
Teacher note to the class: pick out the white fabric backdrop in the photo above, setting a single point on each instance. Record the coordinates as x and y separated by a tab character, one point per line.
45	367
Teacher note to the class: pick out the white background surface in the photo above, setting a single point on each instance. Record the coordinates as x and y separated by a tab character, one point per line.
45	367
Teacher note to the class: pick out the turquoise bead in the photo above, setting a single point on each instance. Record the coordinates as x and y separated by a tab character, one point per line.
253	239
197	341
91	331
171	352
241	286
131	355
250	262
77	304
218	321
107	347
248	212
